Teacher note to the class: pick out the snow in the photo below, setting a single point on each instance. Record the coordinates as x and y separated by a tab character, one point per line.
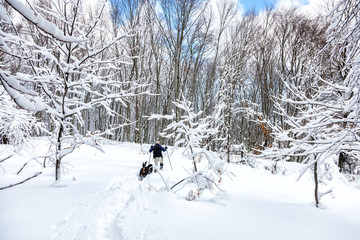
16	90
41	22
100	197
4	15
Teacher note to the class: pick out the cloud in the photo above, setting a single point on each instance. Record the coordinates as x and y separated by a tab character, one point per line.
291	3
308	7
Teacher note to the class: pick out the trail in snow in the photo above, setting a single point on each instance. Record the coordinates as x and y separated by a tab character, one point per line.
133	210
92	218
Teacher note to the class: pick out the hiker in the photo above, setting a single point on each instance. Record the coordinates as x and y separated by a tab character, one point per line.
157	154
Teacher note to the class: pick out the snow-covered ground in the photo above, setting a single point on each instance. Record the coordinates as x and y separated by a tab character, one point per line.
101	198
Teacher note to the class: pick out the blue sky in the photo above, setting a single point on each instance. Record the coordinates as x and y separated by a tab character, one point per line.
257	4
261	4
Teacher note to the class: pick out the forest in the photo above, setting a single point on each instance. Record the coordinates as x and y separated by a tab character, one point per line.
281	83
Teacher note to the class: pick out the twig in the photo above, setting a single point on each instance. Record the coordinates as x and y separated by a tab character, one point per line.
3	160
179	183
22	168
169	160
187	171
3	169
215	184
228	174
188	180
44	163
327	192
142	151
27	179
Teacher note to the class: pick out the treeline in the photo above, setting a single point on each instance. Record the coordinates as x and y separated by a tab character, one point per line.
164	51
193	50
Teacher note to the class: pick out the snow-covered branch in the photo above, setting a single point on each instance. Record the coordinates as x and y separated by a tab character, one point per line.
40	22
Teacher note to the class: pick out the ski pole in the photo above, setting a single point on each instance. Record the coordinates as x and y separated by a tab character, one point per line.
169	160
167	187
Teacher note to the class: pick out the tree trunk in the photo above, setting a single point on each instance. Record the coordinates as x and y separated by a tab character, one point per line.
316	184
58	154
192	153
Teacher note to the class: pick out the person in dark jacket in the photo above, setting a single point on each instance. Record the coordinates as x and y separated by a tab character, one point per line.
157	150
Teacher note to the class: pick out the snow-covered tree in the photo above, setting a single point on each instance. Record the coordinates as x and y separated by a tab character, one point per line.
223	112
230	86
328	120
68	65
190	132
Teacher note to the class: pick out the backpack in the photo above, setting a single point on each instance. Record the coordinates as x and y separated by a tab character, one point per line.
157	151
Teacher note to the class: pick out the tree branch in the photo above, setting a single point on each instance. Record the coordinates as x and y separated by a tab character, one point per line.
3	160
40	22
27	179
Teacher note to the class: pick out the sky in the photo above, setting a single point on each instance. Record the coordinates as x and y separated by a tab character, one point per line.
255	4
262	4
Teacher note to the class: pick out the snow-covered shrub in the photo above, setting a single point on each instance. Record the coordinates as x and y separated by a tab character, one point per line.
203	180
329	171
276	167
17	125
189	132
206	178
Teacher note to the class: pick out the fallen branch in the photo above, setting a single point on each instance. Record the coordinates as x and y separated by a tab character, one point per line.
27	179
3	160
22	168
179	183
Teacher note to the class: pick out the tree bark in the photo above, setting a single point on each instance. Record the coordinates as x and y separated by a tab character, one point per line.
316	184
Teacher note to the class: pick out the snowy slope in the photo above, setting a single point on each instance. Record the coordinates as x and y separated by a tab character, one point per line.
101	198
